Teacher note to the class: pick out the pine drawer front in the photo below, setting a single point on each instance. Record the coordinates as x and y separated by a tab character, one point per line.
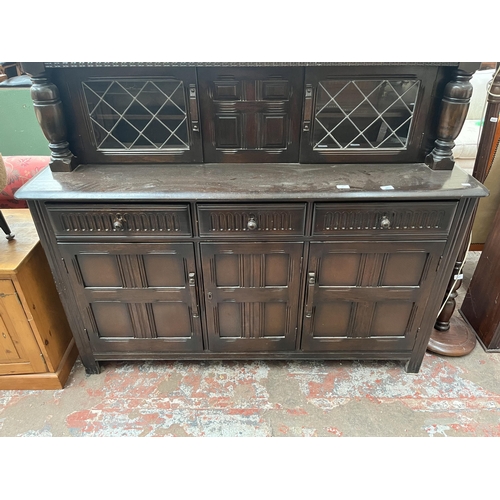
251	221
120	221
419	219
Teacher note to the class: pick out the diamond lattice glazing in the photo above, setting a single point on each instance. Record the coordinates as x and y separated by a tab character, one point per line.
137	114
364	114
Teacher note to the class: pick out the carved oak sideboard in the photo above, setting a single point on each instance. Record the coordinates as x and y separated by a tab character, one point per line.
232	211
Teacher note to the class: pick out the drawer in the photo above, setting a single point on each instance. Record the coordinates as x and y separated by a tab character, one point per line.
120	220
252	220
411	218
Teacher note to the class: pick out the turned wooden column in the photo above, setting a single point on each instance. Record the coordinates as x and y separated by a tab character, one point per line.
455	104
50	115
452	336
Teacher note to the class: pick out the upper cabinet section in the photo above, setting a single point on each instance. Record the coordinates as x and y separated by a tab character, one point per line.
145	113
132	114
251	114
381	114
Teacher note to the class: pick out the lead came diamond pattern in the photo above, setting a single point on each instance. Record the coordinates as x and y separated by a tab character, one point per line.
364	114
137	114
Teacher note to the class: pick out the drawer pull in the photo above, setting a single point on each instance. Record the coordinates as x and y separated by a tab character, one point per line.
385	223
252	224
118	223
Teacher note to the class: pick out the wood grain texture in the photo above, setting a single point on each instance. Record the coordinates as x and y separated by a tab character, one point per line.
20	351
43	381
263	182
37	291
33	323
14	252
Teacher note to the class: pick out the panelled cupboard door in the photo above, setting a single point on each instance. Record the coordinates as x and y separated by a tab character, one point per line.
251	114
138	297
126	115
251	295
19	350
367	296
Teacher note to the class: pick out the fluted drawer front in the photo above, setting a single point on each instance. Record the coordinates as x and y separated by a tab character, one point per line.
418	218
120	220
252	220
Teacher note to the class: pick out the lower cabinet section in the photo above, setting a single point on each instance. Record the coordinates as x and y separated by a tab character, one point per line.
265	283
146	297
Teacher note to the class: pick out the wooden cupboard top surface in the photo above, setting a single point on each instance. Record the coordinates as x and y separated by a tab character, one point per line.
13	253
263	182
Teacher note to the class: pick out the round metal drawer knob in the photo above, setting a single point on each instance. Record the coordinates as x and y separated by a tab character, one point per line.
252	224
385	223
118	223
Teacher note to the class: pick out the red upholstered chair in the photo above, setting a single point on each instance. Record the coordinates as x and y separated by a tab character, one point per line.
14	172
19	170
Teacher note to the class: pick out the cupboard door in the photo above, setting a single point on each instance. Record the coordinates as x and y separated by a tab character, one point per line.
367	296
19	350
251	295
136	297
377	113
133	115
251	114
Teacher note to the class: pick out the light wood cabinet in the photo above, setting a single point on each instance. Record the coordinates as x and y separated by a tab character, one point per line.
37	350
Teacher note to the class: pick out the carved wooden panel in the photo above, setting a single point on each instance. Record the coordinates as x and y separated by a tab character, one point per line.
382	219
144	295
251	295
249	220
367	296
103	220
250	115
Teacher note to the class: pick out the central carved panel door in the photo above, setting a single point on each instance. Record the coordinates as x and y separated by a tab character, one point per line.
367	296
252	295
251	115
138	297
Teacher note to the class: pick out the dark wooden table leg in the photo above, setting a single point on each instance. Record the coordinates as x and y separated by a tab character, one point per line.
5	227
452	336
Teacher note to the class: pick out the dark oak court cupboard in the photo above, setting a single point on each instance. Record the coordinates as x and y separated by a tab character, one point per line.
251	211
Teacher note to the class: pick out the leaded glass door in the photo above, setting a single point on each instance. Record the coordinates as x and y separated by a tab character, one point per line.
149	115
366	114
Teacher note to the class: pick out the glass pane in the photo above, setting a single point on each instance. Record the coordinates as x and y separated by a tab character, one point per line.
364	114
137	114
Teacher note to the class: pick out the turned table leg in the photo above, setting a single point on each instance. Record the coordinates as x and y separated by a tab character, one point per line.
452	336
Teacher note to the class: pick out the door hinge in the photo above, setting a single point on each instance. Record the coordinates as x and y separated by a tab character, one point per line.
43	359
65	266
87	333
300	267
